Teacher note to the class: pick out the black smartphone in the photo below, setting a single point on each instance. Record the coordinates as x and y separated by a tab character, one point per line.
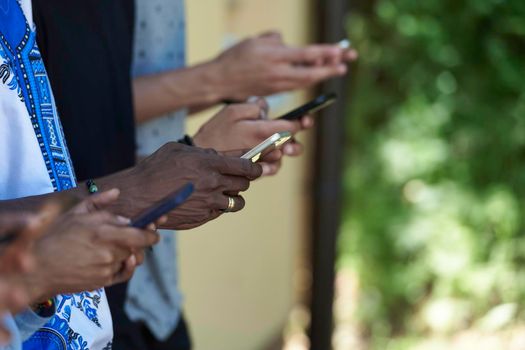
163	207
311	107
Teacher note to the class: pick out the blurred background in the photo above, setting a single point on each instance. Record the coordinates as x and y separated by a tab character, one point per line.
430	251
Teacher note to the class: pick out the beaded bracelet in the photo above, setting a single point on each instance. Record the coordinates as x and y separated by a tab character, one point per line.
91	186
45	309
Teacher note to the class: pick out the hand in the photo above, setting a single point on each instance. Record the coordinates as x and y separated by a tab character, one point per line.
20	231
214	176
86	250
243	126
265	65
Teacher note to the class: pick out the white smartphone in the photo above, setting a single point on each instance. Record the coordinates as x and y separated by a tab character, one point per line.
273	142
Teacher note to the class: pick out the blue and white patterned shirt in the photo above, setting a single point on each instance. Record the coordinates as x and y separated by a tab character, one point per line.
35	160
160	45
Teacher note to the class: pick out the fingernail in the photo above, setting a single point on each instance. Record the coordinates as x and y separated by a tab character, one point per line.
288	149
133	260
123	220
265	168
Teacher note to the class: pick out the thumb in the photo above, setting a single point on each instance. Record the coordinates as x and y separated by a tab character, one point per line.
97	201
244	111
272	34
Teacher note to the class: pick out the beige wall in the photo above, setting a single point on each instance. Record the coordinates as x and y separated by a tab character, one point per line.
237	272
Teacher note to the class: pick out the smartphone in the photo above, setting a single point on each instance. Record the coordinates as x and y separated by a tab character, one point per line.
164	206
311	107
275	141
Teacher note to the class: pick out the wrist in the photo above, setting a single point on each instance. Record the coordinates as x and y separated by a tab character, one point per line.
38	287
128	182
216	79
198	142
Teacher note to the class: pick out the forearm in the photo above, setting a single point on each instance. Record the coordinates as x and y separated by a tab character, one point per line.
195	88
124	205
35	203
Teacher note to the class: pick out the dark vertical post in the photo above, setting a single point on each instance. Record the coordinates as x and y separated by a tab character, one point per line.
328	186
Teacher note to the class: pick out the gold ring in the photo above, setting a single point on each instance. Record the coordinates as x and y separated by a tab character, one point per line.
231	205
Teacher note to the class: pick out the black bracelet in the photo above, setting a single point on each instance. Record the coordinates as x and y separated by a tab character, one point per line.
91	186
186	140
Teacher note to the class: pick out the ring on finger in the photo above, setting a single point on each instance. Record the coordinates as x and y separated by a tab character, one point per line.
231	205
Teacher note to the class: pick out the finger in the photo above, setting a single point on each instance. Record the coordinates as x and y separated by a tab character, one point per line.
14	221
161	221
311	54
307	122
97	201
264	106
113	256
238	167
293	149
267	128
306	76
139	255
127	271
224	203
132	238
273	156
350	55
243	111
270	169
234	153
234	184
273	35
105	217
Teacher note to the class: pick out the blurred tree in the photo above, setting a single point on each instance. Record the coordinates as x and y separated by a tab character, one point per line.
435	177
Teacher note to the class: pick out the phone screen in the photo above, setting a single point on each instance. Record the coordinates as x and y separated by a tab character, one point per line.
311	107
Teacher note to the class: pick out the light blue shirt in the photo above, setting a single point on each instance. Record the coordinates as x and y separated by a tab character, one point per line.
153	294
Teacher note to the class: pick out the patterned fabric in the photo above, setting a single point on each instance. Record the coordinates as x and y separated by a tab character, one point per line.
29	125
159	46
23	71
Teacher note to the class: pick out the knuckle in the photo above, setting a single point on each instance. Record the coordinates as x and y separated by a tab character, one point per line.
214	181
217	202
106	273
105	216
106	258
245	185
211	151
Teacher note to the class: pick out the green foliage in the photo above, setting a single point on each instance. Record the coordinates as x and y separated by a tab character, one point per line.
435	176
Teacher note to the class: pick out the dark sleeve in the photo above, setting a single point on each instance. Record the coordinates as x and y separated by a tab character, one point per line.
87	49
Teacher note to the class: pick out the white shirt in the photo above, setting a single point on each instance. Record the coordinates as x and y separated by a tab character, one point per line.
34	160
